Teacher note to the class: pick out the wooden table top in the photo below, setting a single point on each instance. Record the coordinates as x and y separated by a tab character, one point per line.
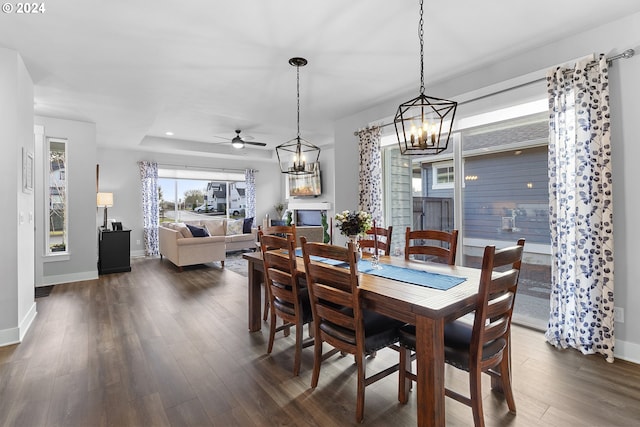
408	300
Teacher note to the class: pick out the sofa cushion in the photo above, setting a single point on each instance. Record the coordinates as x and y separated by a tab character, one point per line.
197	231
215	227
247	224
240	238
183	229
234	226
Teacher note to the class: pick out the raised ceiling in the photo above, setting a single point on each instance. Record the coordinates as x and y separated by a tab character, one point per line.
202	69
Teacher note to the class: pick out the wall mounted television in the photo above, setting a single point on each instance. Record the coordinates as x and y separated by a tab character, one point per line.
306	185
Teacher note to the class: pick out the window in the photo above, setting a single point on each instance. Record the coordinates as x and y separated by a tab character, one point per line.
57	190
190	195
442	175
501	195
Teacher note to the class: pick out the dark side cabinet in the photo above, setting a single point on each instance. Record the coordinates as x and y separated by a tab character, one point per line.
114	249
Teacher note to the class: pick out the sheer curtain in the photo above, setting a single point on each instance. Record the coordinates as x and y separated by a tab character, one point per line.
580	210
150	211
370	176
250	194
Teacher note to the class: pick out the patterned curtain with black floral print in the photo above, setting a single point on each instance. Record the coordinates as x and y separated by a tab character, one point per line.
250	193
580	211
370	177
150	210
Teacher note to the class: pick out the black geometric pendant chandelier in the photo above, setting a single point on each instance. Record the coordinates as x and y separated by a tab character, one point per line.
298	156
423	124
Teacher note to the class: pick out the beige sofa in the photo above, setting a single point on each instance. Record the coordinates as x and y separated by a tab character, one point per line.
181	248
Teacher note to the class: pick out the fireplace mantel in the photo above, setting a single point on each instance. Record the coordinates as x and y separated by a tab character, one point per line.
308	206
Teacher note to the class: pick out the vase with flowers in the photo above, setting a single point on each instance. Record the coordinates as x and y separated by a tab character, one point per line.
354	224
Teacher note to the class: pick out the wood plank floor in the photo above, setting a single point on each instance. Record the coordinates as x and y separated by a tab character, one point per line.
156	347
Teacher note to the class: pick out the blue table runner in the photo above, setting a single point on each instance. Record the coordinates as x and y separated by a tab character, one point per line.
401	274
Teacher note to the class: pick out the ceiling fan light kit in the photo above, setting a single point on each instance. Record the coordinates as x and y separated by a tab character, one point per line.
239	143
424	123
291	154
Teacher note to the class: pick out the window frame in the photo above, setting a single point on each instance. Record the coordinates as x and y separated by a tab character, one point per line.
435	185
50	255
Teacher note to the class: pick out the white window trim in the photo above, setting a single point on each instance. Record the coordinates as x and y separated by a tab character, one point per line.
434	173
48	255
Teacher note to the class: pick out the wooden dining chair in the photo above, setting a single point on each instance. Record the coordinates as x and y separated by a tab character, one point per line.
485	345
383	235
281	231
437	245
289	300
338	317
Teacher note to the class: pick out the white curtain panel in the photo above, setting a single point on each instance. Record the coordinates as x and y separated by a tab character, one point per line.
150	210
370	176
580	210
250	193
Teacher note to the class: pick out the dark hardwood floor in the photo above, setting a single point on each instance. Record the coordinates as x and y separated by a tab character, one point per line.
156	347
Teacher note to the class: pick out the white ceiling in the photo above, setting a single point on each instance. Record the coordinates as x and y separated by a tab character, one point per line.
203	68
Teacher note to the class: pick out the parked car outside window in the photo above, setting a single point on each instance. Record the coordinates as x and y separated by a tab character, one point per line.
205	208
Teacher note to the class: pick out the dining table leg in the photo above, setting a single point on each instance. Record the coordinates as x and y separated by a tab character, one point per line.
430	371
254	287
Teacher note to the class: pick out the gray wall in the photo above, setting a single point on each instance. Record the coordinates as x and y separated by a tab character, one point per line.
81	264
625	110
17	306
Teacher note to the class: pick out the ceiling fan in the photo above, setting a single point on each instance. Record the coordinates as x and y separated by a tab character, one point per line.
238	142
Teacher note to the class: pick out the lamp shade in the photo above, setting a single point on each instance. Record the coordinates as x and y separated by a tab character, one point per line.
104	200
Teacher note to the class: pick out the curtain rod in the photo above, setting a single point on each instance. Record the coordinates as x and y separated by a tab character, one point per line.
205	168
624	55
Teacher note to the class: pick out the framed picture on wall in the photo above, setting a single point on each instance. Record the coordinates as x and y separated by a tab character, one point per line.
27	171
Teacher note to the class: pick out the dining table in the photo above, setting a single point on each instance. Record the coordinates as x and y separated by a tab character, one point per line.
425	307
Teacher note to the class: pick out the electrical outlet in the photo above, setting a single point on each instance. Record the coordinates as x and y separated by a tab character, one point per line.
618	314
138	242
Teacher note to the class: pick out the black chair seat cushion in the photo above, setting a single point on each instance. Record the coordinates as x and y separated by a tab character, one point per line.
380	331
288	308
457	340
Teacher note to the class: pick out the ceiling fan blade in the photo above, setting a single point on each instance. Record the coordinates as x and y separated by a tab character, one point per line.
260	144
222	137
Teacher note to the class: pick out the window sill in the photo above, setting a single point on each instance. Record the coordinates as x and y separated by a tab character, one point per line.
55	257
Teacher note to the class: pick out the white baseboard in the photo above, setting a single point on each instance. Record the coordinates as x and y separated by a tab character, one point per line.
9	336
138	254
26	323
627	351
68	278
15	335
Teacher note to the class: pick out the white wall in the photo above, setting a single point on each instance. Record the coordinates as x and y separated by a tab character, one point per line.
81	264
17	306
625	110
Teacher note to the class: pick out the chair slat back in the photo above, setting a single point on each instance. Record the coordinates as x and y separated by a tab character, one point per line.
437	243
333	290
383	235
280	230
496	297
281	275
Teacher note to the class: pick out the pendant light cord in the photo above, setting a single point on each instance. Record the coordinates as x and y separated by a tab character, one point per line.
421	36
298	92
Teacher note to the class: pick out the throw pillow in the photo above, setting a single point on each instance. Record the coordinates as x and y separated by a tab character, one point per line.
198	231
234	226
183	229
215	227
246	225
